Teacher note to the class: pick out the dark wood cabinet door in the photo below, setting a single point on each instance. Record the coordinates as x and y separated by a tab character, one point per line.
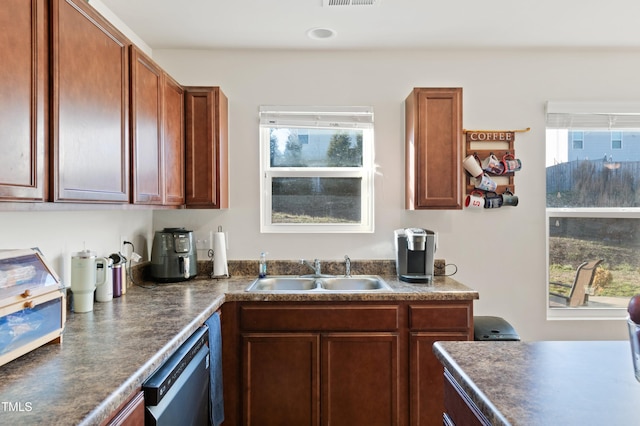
426	377
459	407
173	141
280	379
146	129
433	148
24	98
206	148
90	106
360	373
131	414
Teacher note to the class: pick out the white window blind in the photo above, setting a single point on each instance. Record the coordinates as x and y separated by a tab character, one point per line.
593	115
317	117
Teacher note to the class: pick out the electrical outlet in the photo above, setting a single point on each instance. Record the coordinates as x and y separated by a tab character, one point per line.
122	240
203	241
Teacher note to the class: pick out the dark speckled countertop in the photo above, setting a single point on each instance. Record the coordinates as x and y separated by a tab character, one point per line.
106	354
546	383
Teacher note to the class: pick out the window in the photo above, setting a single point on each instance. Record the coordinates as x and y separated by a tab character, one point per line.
577	140
593	206
616	140
316	169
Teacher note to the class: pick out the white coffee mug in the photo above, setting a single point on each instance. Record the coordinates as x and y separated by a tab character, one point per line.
475	200
472	165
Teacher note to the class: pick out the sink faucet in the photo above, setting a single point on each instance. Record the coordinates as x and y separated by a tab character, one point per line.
347	266
315	266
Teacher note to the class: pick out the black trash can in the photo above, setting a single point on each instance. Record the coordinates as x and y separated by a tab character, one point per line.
493	329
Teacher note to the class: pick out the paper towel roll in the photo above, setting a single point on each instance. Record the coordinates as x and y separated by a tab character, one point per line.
220	267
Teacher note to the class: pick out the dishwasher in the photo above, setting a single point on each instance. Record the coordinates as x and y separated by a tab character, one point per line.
178	391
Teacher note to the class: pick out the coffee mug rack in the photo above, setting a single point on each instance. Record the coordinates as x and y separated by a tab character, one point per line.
483	143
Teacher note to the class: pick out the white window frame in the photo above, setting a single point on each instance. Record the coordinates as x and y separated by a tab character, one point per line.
346	118
593	115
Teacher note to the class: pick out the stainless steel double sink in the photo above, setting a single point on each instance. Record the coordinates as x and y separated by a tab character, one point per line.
297	284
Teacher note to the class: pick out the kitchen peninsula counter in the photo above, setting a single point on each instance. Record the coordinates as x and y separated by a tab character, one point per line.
106	354
541	383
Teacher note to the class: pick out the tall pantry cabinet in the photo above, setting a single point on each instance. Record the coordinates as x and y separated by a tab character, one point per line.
24	99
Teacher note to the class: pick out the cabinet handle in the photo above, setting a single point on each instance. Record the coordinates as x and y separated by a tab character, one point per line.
28	304
26	293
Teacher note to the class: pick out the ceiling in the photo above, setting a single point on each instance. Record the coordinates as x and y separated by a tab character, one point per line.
388	24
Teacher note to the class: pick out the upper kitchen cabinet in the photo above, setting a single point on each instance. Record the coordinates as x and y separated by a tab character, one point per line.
23	100
207	183
173	141
146	129
433	150
90	106
157	133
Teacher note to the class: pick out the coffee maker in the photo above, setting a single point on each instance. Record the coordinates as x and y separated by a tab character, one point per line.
415	249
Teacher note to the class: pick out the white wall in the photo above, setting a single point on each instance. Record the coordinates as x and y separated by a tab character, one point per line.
60	234
117	22
501	253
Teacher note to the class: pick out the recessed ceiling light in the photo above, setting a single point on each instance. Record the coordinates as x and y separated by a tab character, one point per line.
321	33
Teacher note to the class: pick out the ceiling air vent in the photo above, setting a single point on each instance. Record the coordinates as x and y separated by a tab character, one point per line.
326	3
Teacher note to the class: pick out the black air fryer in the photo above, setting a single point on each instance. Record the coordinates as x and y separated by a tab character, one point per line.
173	256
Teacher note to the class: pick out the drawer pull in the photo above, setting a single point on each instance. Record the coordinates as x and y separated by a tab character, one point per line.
28	304
26	293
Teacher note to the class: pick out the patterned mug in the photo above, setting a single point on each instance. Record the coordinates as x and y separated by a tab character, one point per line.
511	164
492	201
484	183
493	165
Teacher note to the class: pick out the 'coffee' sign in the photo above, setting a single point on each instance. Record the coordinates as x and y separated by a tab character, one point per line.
490	136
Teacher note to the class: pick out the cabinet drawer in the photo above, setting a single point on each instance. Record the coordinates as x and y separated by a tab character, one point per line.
319	318
448	316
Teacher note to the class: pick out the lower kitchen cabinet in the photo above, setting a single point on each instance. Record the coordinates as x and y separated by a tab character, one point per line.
131	413
459	408
338	363
281	378
285	373
429	323
360	373
427	399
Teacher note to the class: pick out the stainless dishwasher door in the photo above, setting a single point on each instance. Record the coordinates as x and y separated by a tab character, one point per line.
178	392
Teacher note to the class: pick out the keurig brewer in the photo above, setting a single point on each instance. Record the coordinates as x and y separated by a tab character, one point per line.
415	249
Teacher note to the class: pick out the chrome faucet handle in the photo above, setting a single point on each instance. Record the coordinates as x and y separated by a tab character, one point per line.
316	266
347	266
